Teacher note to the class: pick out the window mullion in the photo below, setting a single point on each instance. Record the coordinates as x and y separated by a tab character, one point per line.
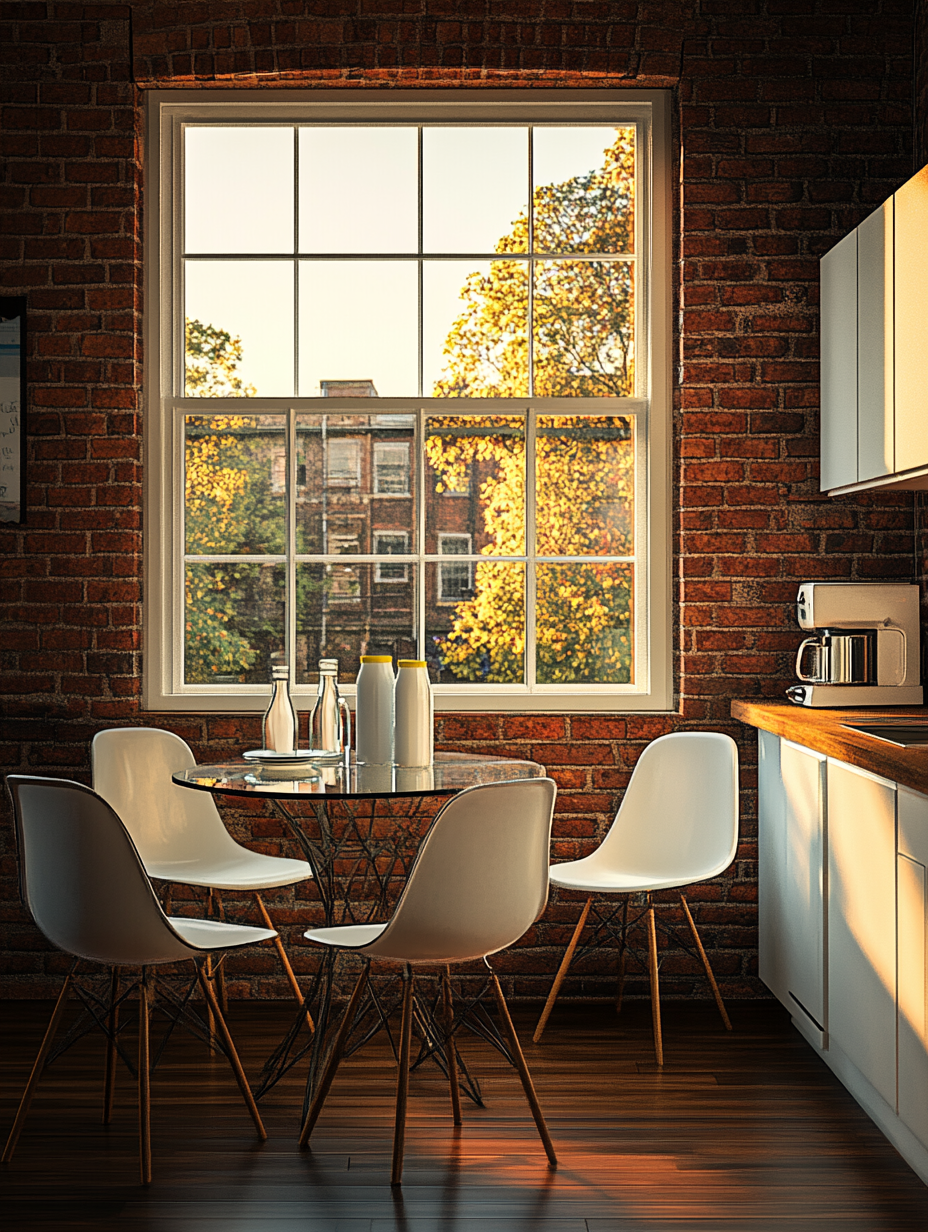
530	588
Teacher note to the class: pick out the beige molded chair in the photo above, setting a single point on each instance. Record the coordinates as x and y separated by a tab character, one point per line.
84	884
480	880
178	832
677	825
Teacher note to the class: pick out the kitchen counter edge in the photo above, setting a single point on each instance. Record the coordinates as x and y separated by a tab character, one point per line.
821	731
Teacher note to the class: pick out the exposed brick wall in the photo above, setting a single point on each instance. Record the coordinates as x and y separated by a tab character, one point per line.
794	119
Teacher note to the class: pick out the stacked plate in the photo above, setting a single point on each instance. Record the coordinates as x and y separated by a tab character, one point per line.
300	764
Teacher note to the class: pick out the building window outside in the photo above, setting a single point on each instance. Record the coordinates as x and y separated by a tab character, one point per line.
455	580
391	469
507	339
391	543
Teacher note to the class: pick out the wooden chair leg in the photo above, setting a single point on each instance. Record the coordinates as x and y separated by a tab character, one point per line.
561	973
705	962
215	910
525	1076
144	1083
234	1061
38	1065
285	962
623	958
109	1082
451	1056
335	1057
402	1080
655	985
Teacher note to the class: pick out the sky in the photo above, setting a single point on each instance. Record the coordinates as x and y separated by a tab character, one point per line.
358	194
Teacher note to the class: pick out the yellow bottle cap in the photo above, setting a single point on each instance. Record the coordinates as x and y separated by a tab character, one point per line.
411	663
376	658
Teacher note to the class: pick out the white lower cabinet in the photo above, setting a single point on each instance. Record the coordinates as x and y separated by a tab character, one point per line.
861	951
843	912
912	968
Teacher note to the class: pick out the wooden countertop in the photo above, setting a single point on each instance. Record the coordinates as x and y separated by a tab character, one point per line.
821	730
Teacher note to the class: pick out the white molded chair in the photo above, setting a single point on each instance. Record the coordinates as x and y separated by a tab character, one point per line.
178	832
83	882
677	825
479	881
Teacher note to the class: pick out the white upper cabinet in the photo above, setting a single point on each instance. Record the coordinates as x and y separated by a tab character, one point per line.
875	401
911	322
874	340
839	364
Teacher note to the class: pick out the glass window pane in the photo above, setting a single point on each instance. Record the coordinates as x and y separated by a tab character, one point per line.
475	329
234	620
239	329
359	325
584	485
584	330
474	189
342	612
342	464
235	484
359	190
391	543
475	483
479	637
238	189
583	624
584	195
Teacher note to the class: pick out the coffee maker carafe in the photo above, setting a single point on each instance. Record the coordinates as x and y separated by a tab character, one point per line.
865	648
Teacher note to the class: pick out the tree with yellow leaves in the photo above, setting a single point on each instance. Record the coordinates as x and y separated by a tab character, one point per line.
583	346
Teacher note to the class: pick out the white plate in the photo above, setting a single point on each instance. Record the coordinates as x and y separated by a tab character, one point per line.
318	757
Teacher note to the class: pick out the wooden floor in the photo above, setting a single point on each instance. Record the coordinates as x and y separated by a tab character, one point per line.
748	1133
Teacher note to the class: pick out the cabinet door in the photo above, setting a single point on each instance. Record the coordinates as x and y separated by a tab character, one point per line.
803	923
862	923
839	364
911	321
912	949
875	399
771	866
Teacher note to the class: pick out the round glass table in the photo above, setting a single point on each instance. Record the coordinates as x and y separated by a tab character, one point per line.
359	826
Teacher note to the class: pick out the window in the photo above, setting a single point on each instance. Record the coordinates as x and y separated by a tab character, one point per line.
455	581
343	463
449	309
390	543
391	469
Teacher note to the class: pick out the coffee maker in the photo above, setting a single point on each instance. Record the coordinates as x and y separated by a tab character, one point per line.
865	651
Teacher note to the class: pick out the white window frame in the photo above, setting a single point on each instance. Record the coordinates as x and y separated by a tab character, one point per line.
167	112
443	538
400	564
380	448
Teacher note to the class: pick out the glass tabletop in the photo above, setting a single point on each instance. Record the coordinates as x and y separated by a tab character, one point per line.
449	773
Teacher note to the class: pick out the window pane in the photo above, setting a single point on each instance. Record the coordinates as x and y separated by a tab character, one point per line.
474	189
475	329
342	463
238	189
342	613
391	543
234	620
359	190
584	331
583	624
584	195
475	482
235	484
239	331
359	324
480	637
584	485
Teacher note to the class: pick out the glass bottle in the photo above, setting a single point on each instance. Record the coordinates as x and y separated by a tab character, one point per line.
279	730
330	720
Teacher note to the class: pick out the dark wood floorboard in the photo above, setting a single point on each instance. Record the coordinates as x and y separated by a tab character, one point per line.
742	1133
